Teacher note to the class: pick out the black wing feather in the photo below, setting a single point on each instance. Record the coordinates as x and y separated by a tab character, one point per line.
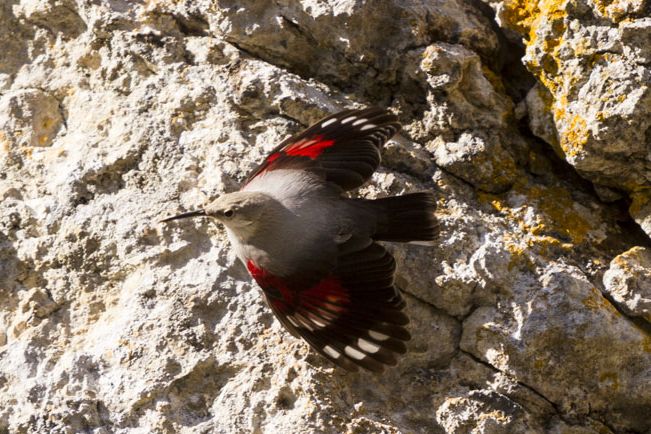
343	149
356	323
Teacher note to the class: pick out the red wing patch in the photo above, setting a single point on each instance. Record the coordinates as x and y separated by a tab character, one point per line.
310	147
352	316
343	149
273	157
326	297
328	292
279	293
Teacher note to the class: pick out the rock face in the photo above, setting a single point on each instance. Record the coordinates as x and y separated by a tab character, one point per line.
628	281
531	313
593	99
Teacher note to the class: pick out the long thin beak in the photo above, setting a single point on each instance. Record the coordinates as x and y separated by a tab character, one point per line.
200	213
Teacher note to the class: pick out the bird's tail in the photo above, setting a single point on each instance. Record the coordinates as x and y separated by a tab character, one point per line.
406	218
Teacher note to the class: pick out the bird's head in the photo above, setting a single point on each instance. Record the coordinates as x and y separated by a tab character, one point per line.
241	211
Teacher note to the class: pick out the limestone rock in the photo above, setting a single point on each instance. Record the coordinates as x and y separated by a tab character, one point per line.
487	167
547	340
487	412
29	118
592	58
628	281
117	114
640	209
541	119
348	42
58	16
476	144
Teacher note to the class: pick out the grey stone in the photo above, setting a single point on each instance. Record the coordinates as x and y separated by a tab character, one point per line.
593	100
111	322
29	118
628	282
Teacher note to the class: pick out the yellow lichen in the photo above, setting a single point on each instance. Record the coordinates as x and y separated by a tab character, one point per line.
528	17
521	15
555	224
641	198
496	415
556	212
646	344
519	255
591	303
614	10
575	137
598	303
611	379
4	143
47	123
493	78
622	261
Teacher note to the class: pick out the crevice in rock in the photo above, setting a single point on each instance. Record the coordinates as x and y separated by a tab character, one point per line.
635	235
299	30
561	415
508	64
518	80
425	302
637	321
192	25
567	173
240	46
539	394
603	422
515	75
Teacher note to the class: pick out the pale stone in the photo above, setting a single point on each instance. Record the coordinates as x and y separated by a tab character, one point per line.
29	118
112	322
628	282
593	100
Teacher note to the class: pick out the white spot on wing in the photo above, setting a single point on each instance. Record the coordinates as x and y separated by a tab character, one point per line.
304	322
293	321
359	121
367	127
367	346
318	323
328	122
331	352
352	352
377	335
348	119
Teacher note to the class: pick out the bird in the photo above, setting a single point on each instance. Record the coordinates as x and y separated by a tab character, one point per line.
314	250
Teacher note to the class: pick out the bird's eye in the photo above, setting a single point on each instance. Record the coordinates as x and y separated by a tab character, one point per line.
228	213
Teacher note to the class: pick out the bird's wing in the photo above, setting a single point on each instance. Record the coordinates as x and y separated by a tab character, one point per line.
352	316
343	149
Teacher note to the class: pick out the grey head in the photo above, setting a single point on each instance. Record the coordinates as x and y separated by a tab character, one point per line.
243	212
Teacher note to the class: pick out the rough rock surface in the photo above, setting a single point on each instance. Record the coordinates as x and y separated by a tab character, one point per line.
628	281
593	99
116	114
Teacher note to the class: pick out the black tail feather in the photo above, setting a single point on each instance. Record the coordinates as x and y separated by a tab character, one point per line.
406	218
